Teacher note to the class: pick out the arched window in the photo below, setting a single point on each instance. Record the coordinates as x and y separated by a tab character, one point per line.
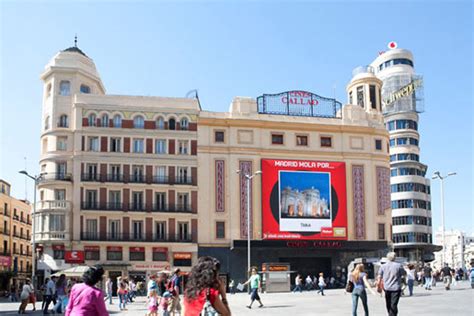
46	123
85	89
138	122
64	87
160	123
63	121
104	122
117	121
92	119
184	123
172	124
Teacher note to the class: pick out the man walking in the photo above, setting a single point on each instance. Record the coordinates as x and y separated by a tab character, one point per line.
446	275
255	285
108	290
391	274
427	272
50	293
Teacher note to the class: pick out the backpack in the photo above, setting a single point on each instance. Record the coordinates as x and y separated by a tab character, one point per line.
170	286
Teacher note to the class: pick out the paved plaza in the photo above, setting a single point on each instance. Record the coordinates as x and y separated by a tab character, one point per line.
457	302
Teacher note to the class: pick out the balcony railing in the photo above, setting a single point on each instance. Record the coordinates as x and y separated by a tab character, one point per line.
4	231
88	177
54	205
136	207
48	236
136	237
56	177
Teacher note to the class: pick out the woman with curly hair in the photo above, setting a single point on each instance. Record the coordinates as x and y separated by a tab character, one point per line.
204	289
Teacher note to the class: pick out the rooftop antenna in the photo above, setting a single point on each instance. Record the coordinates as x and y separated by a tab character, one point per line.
75	40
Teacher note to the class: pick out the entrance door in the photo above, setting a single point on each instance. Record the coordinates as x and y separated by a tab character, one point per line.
113	275
311	266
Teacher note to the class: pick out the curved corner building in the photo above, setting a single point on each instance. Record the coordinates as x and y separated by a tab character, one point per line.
402	96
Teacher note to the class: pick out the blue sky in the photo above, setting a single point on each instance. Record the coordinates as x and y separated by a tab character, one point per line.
306	180
245	49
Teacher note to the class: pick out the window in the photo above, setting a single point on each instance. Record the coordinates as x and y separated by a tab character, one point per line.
114	254
115	144
137	202
183	231
137	231
172	124
360	96
92	119
58	253
138	146
160	173
160	146
85	89
44	148
91	200
60	194
183	147
137	174
277	139
378	144
93	143
220	230
92	254
184	124
117	121
115	173
160	123
219	136
138	122
137	254
160	233
160	204
326	141
114	230
301	140
160	254
48	90
104	121
63	121
350	97
46	123
91	229
91	172
114	200
381	231
182	175
372	97
183	202
61	143
64	88
61	168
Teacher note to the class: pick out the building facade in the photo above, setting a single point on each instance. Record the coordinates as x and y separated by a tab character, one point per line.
458	252
402	101
15	236
119	184
297	215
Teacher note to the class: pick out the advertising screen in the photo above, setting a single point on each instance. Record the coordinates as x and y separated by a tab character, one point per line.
303	199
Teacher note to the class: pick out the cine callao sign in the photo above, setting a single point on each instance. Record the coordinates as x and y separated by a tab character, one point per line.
404	91
299	97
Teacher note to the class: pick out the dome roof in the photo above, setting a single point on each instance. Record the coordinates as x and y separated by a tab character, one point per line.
75	49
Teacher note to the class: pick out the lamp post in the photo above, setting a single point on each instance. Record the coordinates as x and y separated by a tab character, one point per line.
33	253
248	179
437	175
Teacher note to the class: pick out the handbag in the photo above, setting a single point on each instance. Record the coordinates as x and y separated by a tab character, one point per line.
350	287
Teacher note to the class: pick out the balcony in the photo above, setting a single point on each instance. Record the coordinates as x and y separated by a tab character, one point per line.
53	205
136	238
55	177
123	178
4	231
51	236
136	207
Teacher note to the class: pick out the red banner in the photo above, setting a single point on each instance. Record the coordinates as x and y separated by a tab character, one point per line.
137	249
160	249
304	199
5	261
74	256
58	247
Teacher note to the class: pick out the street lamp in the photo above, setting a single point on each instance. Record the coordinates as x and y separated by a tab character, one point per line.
33	253
437	175
248	179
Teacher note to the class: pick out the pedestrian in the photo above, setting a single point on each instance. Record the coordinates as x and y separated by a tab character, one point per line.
164	304
122	293
13	293
86	299
410	271
61	294
133	290
32	299
309	283
25	296
321	283
390	274
298	283
50	294
427	272
151	284
453	278
255	285
434	277
359	279
173	287
446	275
204	290
108	290
232	286
152	303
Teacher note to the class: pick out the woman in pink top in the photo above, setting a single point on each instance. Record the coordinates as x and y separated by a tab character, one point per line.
85	299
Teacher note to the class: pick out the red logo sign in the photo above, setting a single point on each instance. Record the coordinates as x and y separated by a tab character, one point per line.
5	261
74	256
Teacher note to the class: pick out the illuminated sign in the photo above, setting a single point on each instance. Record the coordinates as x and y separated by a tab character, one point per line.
182	255
74	256
405	91
298	103
303	200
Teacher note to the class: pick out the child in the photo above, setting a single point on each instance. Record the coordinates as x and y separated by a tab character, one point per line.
152	303
164	304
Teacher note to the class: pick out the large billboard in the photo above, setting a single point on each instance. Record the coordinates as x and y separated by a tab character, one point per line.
303	199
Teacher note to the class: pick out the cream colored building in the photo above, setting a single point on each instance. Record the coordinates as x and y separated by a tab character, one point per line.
241	138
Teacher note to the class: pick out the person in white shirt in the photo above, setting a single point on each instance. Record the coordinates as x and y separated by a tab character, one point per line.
25	296
410	269
108	290
309	283
50	292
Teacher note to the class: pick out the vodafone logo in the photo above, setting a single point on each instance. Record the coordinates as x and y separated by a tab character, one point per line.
392	45
74	255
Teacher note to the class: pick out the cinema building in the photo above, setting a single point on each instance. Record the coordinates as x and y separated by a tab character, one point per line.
119	175
323	197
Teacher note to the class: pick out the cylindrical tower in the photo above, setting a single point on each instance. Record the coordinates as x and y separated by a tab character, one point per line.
402	101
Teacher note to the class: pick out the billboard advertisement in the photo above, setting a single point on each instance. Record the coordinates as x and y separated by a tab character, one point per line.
303	199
